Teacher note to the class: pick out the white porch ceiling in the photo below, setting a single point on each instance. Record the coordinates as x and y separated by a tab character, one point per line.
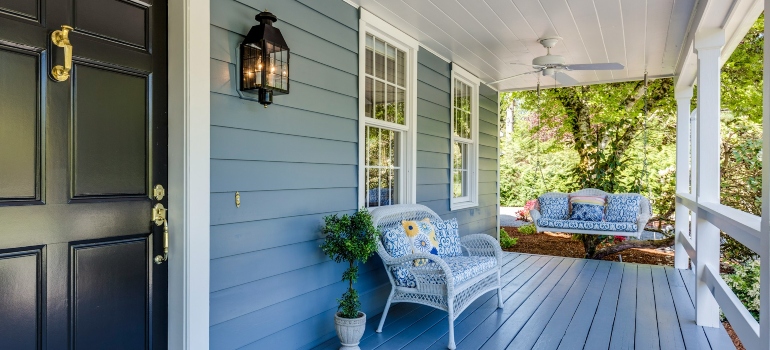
485	36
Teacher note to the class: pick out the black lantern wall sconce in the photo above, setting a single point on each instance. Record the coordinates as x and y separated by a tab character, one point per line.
264	60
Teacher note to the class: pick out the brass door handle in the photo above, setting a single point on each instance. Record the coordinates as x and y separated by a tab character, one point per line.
159	218
61	39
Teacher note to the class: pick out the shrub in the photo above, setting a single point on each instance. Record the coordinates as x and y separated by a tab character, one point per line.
745	284
350	239
527	229
506	241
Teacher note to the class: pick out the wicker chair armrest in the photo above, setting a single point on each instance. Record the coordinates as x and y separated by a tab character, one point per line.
535	214
482	245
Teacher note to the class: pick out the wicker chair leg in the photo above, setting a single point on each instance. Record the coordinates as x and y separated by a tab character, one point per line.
499	292
451	318
385	312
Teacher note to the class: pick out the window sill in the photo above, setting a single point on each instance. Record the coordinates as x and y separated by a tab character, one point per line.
462	205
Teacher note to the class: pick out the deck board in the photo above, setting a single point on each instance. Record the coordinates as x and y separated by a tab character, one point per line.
564	303
646	317
669	332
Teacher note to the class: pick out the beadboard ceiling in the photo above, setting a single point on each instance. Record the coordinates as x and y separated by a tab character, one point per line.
486	36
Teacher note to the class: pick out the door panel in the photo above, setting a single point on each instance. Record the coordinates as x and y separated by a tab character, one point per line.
20	104
21	289
23	8
109	142
110	295
124	21
77	161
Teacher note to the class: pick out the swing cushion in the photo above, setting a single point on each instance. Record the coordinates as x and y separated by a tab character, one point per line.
554	207
587	212
587	225
623	208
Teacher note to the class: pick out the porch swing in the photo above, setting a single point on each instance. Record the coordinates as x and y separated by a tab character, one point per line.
623	214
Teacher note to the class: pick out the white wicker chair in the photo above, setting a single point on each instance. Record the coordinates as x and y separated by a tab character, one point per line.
434	282
645	213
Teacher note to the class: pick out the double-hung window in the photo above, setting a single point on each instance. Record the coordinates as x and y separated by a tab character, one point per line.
465	139
387	114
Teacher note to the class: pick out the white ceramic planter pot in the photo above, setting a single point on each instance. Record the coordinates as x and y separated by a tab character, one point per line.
350	330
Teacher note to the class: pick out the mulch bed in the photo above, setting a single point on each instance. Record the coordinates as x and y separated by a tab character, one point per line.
560	244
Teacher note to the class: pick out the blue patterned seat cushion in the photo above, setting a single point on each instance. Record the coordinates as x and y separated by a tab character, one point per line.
463	268
623	208
587	212
553	207
587	225
448	238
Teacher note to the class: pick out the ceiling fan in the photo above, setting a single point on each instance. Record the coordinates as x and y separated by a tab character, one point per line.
555	65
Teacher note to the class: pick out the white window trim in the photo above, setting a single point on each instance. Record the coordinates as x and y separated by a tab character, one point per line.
472	199
370	23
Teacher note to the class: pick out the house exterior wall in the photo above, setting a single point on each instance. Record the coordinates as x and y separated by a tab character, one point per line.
296	161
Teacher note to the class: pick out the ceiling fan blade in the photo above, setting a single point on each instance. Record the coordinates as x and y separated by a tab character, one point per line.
513	76
528	65
596	66
565	80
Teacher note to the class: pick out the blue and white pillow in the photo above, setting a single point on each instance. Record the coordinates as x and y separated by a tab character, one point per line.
623	208
553	207
395	242
448	238
587	212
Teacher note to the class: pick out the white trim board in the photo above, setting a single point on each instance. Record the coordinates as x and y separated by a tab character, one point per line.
189	173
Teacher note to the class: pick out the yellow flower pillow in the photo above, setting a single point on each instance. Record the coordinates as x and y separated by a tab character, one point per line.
422	238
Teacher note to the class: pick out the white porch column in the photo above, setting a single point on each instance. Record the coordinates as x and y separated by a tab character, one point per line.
693	172
764	246
708	46
682	216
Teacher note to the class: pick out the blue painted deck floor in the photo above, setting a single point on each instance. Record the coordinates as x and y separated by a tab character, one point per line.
561	303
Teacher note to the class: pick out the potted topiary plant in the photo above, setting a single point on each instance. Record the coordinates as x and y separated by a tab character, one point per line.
351	239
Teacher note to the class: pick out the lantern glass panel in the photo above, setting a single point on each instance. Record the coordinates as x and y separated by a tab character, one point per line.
251	64
278	67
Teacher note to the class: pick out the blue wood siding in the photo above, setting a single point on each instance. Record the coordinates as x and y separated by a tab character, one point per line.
433	147
297	161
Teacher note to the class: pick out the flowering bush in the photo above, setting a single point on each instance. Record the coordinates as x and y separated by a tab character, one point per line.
523	214
619	239
745	284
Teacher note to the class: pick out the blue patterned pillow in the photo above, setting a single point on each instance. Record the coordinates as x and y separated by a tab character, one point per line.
623	208
448	238
554	207
395	242
587	212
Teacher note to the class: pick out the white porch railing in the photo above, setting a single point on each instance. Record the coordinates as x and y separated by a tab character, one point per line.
699	215
745	228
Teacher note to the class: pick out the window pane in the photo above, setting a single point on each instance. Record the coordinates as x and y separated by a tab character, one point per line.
379	59
379	100
372	145
457	155
368	102
400	106
382	166
369	54
391	64
457	184
391	106
401	69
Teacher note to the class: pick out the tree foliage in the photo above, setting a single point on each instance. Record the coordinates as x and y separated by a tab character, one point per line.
621	137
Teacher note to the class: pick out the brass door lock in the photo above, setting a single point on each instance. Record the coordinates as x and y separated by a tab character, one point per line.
159	217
